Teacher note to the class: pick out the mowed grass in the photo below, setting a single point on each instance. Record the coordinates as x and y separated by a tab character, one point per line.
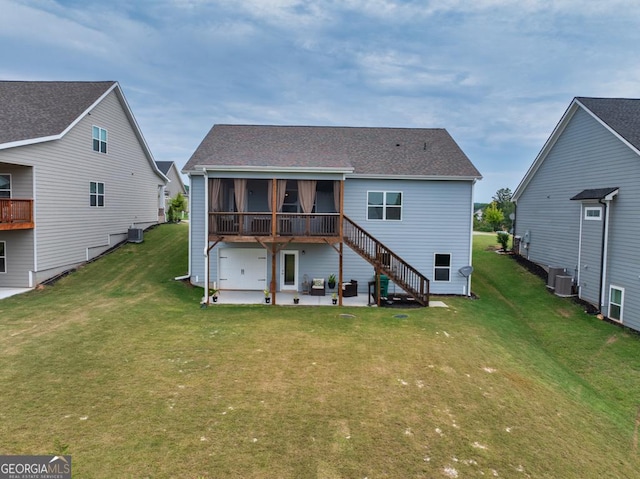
119	366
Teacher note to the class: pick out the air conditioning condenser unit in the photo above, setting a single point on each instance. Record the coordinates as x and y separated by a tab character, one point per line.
135	235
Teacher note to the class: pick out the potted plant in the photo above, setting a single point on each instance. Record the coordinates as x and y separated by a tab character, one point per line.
296	299
267	299
334	298
213	292
331	281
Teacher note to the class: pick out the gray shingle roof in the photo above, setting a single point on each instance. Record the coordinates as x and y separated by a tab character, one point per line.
621	114
594	193
368	151
164	166
30	110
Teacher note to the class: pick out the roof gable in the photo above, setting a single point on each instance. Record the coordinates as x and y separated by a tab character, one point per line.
385	152
31	111
618	115
34	112
621	115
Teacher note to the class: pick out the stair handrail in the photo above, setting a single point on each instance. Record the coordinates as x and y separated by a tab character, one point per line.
374	251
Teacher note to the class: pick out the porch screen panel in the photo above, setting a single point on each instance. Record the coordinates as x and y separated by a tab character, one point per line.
240	192
214	194
281	191
307	191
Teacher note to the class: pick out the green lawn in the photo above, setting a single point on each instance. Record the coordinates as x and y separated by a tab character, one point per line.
119	366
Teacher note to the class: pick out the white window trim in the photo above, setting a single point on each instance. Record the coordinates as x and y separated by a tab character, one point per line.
442	267
10	183
4	248
593	208
619	288
97	195
106	141
384	205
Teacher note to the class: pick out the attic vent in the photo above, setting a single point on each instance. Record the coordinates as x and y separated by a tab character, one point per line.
135	235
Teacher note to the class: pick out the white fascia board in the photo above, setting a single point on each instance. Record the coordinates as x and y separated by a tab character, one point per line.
414	177
136	128
272	169
614	132
551	141
30	141
611	195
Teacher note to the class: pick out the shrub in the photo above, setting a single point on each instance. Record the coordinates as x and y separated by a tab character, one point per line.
503	239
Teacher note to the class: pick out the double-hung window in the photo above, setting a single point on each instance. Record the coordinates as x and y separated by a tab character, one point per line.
5	186
616	299
442	267
99	139
96	194
3	257
384	205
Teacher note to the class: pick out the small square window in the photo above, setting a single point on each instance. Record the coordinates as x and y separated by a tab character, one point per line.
442	267
384	205
96	194
99	139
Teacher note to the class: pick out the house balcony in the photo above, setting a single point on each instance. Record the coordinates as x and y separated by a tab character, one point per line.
275	227
16	214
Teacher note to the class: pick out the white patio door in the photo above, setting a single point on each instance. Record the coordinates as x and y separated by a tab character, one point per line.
288	270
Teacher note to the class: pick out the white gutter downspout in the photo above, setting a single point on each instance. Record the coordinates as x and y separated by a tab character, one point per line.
605	252
468	292
206	237
580	252
32	274
188	275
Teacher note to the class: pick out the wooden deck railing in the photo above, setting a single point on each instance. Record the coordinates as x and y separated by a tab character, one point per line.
386	261
16	214
287	224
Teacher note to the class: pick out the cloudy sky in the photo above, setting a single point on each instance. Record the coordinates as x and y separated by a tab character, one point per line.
497	74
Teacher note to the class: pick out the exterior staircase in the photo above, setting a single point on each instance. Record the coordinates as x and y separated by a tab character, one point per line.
386	262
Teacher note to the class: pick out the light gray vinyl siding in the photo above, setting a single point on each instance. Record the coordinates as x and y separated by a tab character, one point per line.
19	243
590	259
196	229
69	231
19	258
586	155
436	218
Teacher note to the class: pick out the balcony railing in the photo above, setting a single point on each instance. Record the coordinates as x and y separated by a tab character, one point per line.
286	224
16	214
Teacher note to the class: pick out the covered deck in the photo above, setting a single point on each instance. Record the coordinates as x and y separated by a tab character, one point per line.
16	214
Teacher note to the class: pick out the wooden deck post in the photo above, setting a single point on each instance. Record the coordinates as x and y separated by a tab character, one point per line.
272	285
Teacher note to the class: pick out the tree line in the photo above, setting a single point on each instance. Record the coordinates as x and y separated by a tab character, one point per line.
495	216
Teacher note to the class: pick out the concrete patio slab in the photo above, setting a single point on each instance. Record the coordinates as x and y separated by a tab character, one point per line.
7	292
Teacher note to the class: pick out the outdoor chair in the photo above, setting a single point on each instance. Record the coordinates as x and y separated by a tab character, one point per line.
317	287
350	289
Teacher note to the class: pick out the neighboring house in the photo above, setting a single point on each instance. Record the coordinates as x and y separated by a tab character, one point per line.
577	207
478	213
175	185
273	206
75	174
